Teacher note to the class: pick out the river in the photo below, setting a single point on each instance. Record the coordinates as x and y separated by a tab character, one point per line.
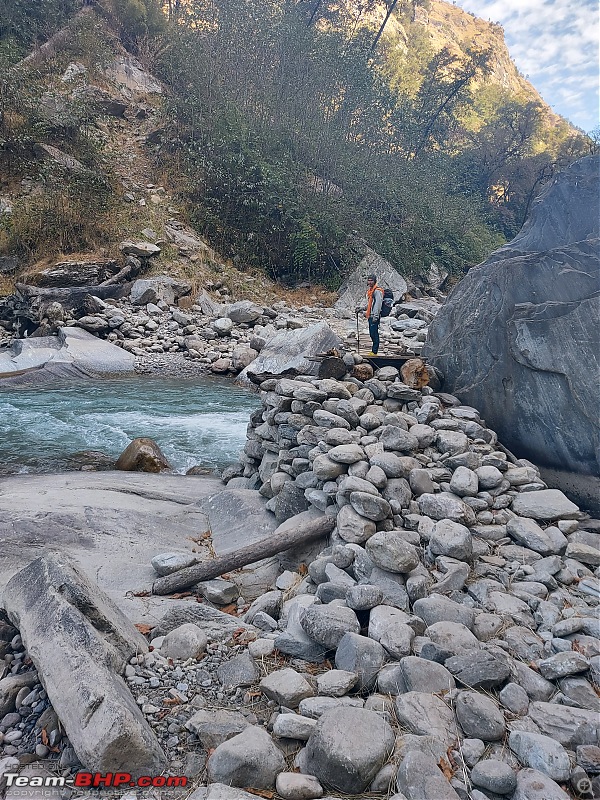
200	421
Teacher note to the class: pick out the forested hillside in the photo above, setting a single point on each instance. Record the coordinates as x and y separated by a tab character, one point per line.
286	126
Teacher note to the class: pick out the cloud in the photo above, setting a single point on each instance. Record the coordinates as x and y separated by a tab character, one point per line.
555	44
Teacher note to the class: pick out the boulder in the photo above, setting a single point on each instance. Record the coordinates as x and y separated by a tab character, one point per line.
76	273
142	455
250	759
542	753
505	338
217	625
352	291
186	641
348	748
213	727
80	642
420	778
289	353
162	287
534	785
286	686
10	688
362	656
480	717
139	250
245	311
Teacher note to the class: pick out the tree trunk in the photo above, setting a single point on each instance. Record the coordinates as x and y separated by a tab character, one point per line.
42	54
276	543
332	367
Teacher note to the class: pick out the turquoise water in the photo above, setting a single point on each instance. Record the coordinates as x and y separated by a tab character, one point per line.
194	421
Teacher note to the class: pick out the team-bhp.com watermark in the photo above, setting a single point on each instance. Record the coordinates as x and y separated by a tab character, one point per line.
95	780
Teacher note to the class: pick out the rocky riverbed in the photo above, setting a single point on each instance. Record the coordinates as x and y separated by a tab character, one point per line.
443	643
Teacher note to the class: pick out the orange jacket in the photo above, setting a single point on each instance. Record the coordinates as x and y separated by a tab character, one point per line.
374	302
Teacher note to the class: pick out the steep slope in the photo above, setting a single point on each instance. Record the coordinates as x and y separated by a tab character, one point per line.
437	24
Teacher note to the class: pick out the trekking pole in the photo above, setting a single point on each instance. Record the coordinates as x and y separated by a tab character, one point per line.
357	335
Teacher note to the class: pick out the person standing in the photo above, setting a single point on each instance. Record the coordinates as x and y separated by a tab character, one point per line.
373	311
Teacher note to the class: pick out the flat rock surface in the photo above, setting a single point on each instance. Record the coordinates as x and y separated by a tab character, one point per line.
73	353
112	523
237	518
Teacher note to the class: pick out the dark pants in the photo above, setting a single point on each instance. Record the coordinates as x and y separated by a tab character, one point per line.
374	334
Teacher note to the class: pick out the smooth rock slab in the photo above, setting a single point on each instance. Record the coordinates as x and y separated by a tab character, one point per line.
250	759
542	753
78	639
348	748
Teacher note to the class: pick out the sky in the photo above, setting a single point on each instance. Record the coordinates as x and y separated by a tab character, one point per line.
554	44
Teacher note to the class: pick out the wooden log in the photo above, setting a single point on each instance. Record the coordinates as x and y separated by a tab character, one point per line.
332	367
128	271
270	546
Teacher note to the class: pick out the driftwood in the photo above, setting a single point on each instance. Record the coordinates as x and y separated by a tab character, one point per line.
270	546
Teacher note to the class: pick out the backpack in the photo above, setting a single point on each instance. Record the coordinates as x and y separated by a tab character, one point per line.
388	302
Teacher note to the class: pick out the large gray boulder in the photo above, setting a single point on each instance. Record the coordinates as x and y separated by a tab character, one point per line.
80	643
162	287
289	354
352	291
519	337
76	272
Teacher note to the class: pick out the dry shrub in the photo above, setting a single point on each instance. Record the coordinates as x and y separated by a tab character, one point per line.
62	218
